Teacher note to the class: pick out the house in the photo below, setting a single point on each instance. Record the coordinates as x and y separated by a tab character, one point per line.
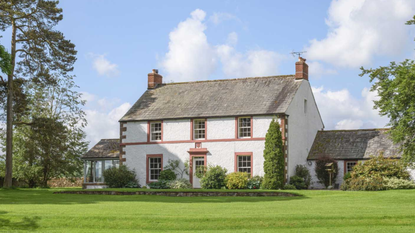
218	122
224	122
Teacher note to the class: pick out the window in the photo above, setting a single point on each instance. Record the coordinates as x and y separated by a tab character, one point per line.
199	129
305	106
243	162
94	169
154	167
349	166
244	127
155	131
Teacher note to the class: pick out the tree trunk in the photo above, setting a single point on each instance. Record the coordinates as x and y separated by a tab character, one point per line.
8	179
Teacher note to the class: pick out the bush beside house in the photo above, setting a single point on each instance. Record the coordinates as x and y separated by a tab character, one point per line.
274	158
378	173
121	177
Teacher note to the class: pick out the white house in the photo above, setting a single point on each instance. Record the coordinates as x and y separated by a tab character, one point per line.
218	122
224	122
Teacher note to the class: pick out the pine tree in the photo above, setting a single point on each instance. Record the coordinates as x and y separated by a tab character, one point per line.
38	52
274	158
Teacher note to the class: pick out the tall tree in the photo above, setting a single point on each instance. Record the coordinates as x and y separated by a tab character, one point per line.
51	144
43	51
395	85
274	158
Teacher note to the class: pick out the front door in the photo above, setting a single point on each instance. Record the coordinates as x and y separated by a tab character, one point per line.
197	163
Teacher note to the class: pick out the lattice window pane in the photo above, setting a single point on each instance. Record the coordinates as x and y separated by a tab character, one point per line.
244	164
350	165
244	126
155	168
155	129
199	127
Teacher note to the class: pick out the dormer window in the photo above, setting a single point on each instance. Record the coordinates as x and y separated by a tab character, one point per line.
244	127
155	131
199	129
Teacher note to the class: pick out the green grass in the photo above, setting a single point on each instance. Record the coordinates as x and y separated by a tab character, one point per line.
315	211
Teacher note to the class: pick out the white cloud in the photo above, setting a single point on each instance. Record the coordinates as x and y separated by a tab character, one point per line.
190	56
340	110
103	119
219	17
232	38
103	66
252	63
361	29
316	70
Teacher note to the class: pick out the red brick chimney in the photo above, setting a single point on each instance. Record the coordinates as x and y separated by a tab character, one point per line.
301	69
154	79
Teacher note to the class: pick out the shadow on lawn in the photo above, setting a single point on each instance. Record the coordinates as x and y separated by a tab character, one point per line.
47	197
27	223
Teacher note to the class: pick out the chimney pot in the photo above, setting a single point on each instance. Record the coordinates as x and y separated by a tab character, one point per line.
301	69
154	79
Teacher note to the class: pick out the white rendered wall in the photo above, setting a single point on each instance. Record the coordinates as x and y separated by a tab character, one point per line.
302	127
261	125
136	132
176	130
220	153
221	128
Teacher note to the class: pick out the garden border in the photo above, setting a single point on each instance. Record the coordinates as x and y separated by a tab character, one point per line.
184	193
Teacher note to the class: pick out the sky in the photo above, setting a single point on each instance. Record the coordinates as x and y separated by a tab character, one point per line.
120	42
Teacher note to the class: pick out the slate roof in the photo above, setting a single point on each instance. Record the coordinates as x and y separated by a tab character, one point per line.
353	144
215	98
105	148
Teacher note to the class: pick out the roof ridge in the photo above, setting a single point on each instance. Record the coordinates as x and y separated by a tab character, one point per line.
341	130
232	79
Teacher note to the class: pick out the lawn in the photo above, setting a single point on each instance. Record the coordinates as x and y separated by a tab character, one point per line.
315	211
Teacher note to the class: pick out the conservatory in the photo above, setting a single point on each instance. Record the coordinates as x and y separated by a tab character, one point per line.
104	155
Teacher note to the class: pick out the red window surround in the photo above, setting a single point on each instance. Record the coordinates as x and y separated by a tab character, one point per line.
244	154
149	133
237	126
148	165
192	129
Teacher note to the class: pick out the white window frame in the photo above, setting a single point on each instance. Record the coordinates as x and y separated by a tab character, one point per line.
244	127
250	163
195	129
152	131
150	168
347	170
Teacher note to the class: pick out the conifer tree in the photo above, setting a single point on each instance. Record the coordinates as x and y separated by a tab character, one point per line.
274	158
39	52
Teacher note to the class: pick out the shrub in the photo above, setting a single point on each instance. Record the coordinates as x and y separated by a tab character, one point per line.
214	178
347	176
364	184
254	182
302	171
289	187
323	175
380	166
274	163
396	183
298	182
180	184
120	177
237	180
160	184
167	174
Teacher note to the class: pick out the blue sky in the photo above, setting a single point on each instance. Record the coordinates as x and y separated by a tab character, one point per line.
119	42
